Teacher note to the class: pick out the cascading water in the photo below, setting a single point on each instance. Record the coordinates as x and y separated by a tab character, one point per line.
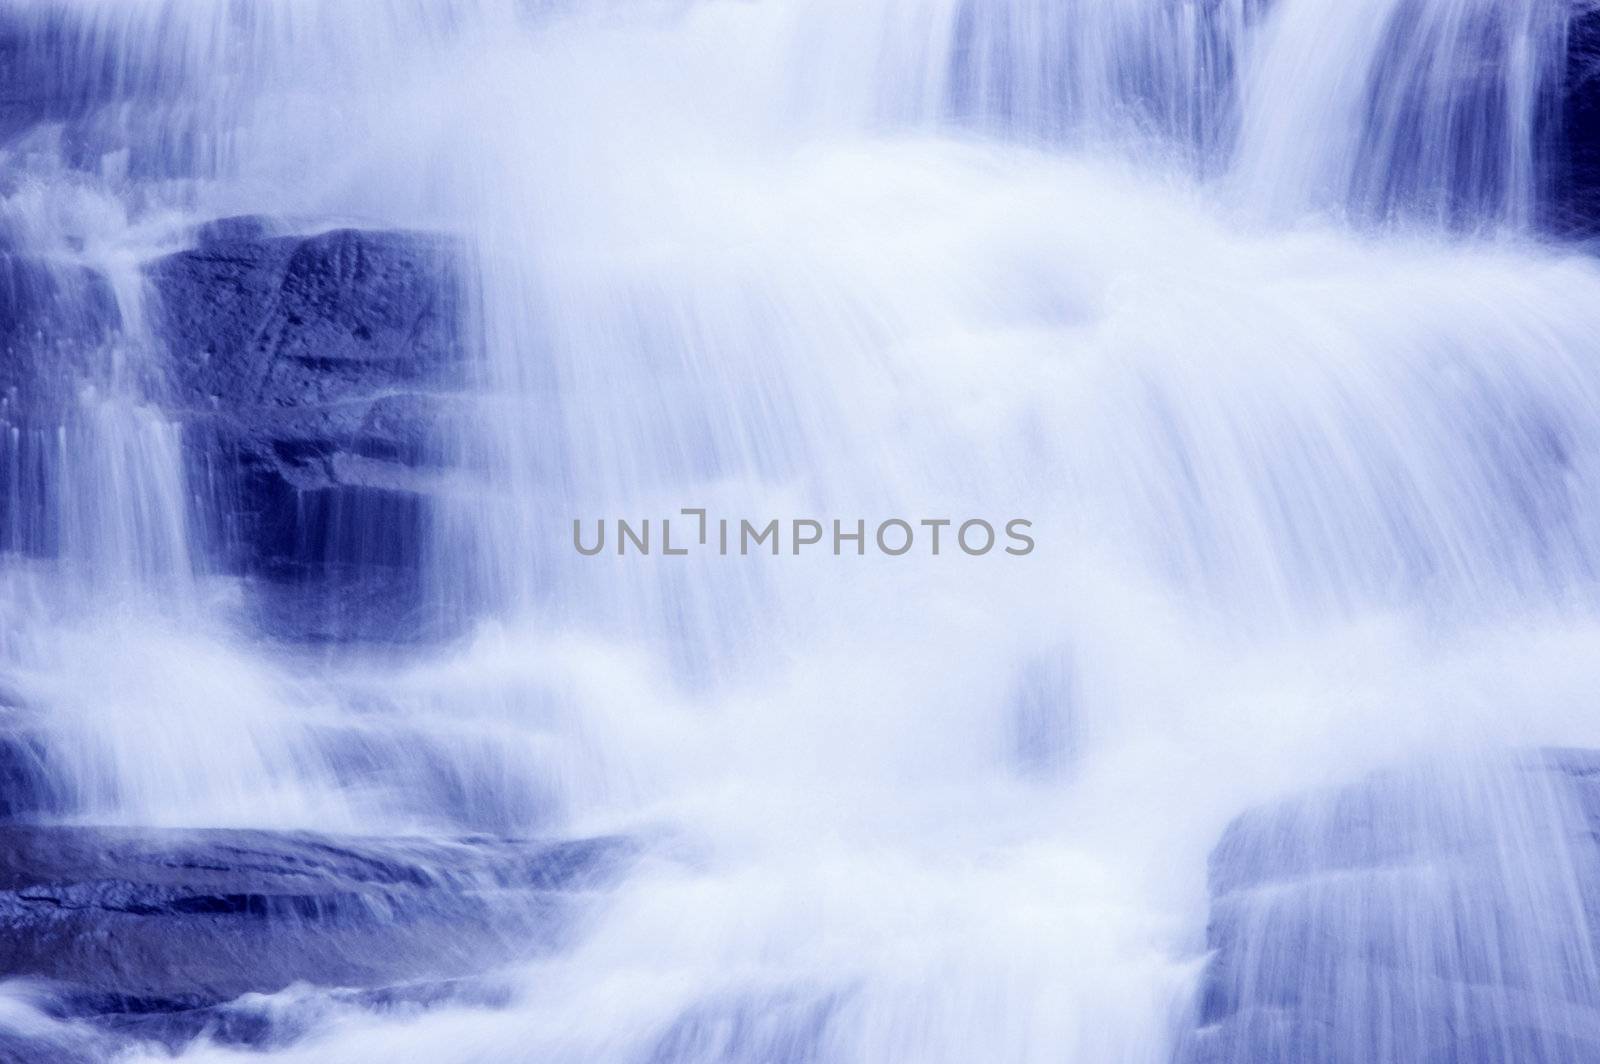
1241	303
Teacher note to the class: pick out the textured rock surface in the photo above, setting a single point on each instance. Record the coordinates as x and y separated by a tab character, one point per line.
313	374
1411	918
153	934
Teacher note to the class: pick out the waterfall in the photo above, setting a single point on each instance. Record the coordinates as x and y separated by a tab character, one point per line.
1248	312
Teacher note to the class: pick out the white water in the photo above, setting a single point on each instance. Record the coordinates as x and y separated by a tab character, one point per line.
1238	303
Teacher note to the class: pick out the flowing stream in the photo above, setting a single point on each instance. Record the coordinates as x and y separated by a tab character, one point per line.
1243	304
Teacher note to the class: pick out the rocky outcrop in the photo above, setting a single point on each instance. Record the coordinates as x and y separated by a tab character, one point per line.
153	936
1419	917
313	374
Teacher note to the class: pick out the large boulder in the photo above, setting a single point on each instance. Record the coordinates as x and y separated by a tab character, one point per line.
1420	917
153	936
314	373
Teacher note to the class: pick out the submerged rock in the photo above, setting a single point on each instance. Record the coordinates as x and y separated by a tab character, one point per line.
52	317
57	320
1423	916
154	935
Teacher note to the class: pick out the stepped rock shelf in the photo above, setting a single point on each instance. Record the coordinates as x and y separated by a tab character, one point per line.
140	935
165	936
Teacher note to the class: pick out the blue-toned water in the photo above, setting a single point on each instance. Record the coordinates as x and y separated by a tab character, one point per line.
1258	310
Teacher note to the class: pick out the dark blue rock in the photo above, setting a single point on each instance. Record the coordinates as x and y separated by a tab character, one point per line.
29	785
153	935
314	375
1575	202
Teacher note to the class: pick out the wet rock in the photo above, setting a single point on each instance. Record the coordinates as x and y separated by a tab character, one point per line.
315	379
1430	915
29	787
1575	204
308	354
314	374
154	935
